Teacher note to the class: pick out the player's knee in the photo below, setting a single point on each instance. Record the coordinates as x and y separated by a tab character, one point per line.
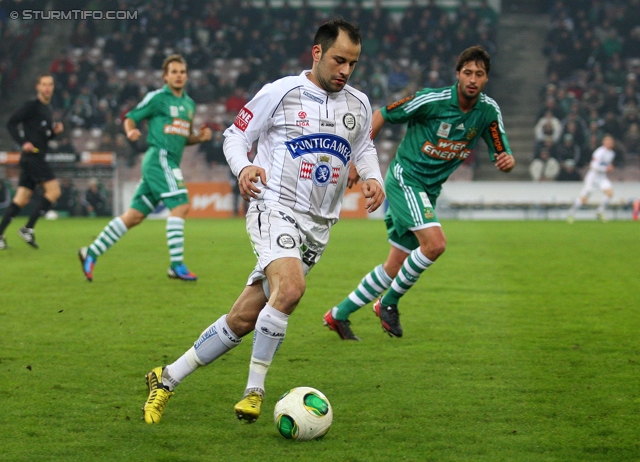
433	249
290	293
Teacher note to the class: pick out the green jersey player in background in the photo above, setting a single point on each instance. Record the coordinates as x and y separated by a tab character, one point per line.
444	125
169	112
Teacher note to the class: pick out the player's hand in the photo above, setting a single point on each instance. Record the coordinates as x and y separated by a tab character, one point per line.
353	177
29	147
204	134
505	162
374	193
248	176
134	135
58	128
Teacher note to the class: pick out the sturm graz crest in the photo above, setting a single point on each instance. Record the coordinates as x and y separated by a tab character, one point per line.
349	121
321	174
286	241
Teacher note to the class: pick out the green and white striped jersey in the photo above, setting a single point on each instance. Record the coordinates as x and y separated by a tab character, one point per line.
440	136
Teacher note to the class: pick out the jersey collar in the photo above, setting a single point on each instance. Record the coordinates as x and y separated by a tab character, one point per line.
166	89
455	101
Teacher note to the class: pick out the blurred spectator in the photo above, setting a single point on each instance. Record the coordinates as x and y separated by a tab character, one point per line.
568	172
94	200
212	149
548	128
68	201
63	144
631	139
125	150
544	167
568	150
6	194
236	101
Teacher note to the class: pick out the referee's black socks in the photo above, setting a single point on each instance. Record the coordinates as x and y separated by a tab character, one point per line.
9	214
43	207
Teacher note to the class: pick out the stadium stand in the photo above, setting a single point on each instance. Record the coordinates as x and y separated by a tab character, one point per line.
593	82
233	48
16	39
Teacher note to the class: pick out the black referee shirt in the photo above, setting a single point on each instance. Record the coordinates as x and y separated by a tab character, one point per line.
37	122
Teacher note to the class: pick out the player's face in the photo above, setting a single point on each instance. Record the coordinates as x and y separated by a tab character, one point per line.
176	75
45	88
608	142
472	79
333	67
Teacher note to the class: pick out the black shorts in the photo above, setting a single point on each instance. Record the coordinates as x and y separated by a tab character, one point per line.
34	171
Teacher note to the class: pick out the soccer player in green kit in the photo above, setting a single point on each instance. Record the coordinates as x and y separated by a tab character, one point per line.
444	125
169	112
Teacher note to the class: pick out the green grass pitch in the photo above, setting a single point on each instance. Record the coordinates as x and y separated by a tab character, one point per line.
521	344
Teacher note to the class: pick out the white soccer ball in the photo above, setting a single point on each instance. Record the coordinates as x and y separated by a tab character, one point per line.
51	215
302	414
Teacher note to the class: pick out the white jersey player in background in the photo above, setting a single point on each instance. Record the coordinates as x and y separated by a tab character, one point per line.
596	178
309	127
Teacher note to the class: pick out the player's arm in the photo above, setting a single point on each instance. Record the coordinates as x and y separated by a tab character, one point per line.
204	134
145	109
377	121
130	129
499	150
14	121
250	122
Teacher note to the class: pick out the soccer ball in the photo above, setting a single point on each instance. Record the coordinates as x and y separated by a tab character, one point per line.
51	215
303	414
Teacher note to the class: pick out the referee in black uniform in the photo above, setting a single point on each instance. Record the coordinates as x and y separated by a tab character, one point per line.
38	127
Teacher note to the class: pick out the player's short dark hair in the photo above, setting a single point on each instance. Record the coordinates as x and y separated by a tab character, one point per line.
41	76
328	33
475	54
172	59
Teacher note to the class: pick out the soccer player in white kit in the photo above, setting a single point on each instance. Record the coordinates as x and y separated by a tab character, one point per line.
596	178
309	127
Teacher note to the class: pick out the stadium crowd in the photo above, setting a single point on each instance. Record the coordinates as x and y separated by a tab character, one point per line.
16	39
233	49
593	87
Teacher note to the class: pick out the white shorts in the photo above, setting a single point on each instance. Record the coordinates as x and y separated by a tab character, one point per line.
277	232
594	181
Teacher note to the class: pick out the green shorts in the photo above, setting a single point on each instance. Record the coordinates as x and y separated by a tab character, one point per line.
410	208
161	181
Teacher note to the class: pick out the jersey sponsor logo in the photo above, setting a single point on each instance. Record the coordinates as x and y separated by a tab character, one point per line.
302	119
210	332
496	139
178	127
446	150
316	143
399	103
286	241
313	97
349	121
229	336
243	118
321	174
305	170
425	199
325	123
444	129
269	333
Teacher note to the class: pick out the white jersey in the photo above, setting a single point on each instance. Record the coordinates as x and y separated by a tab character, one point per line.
601	159
596	177
306	138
